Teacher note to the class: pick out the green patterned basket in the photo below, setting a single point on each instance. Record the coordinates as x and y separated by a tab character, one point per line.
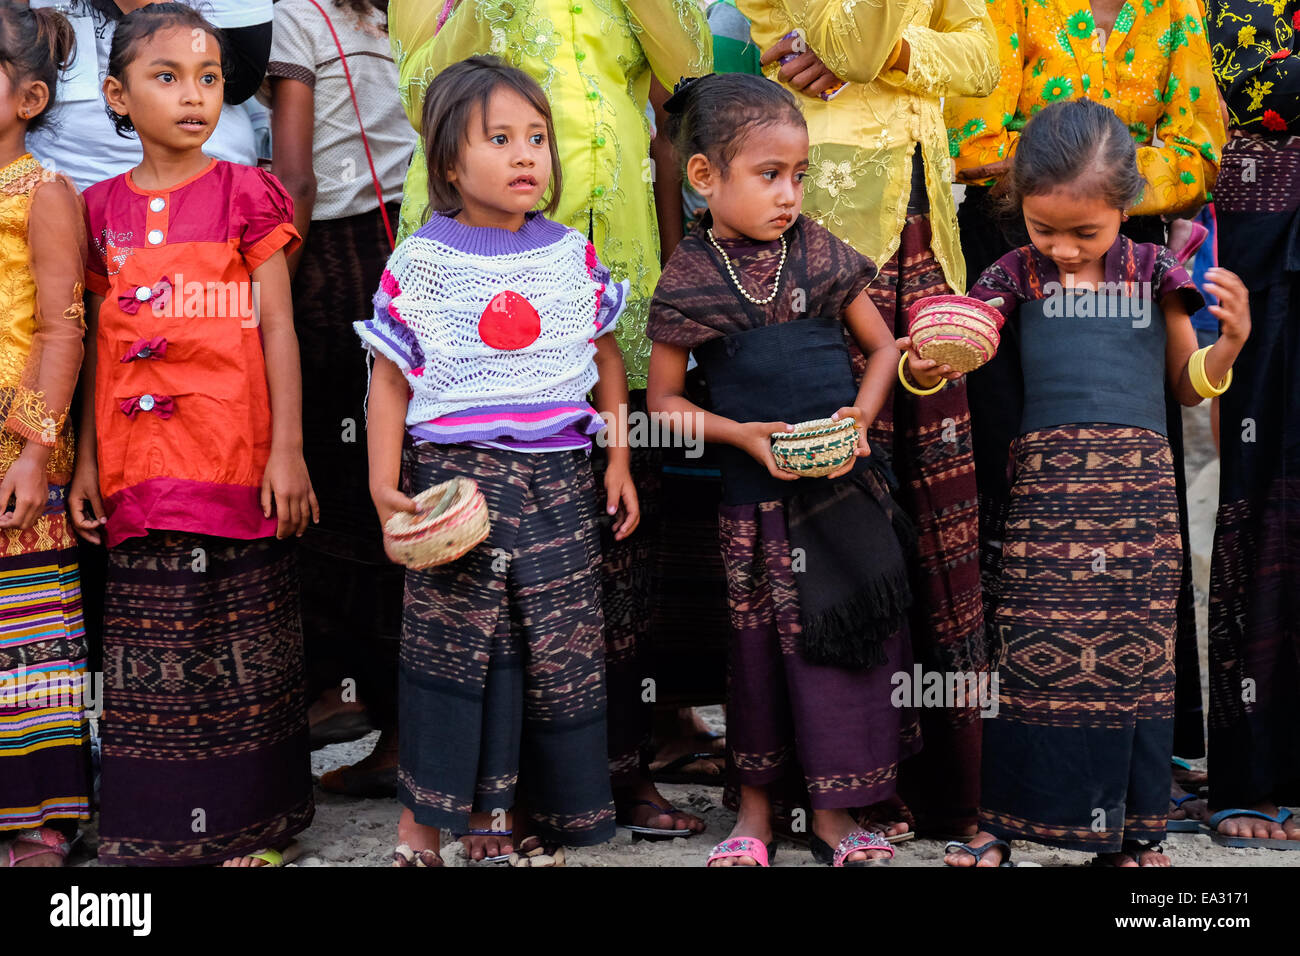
816	448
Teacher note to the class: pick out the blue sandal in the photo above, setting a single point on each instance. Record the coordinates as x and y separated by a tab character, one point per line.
1187	824
1237	842
501	858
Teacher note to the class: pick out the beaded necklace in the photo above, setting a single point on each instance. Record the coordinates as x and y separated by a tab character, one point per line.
732	272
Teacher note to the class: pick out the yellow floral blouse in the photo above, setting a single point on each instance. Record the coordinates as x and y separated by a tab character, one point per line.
1153	70
862	140
593	58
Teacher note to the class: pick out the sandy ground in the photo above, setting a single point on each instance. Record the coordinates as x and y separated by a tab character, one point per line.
361	832
355	832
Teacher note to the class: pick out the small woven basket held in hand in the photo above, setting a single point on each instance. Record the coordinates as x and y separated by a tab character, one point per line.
816	448
453	519
955	330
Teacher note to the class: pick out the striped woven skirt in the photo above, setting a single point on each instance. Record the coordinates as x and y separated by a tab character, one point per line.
1078	754
43	743
501	678
816	736
205	723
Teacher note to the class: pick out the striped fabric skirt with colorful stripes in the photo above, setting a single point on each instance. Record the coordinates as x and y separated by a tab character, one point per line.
44	747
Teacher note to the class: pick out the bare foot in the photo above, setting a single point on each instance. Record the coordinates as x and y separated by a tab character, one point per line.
832	826
683	734
330	704
1255	828
889	819
500	842
631	805
1190	780
753	820
1134	857
287	854
417	836
1183	806
993	857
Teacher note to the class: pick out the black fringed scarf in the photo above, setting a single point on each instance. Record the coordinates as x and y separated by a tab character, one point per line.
850	541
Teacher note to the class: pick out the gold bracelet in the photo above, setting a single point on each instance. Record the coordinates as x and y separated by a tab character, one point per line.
1196	372
902	361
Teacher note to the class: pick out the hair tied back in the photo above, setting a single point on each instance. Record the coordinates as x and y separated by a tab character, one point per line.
677	102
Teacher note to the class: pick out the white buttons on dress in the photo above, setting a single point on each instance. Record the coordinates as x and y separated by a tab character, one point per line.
155	237
143	293
146	403
157	204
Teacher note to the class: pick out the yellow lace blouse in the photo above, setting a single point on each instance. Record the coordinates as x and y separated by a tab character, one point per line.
593	59
1154	70
862	140
41	314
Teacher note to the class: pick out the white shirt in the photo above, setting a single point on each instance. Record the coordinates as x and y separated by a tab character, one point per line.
303	49
78	138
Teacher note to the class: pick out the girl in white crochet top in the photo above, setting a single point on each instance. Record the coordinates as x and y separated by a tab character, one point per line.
490	327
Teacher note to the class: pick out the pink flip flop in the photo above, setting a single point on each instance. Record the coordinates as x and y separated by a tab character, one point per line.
857	840
761	853
42	841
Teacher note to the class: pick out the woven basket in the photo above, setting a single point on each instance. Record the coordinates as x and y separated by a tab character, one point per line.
955	330
816	448
453	519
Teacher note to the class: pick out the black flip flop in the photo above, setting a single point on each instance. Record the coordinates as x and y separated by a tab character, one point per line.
674	771
654	834
979	851
1133	850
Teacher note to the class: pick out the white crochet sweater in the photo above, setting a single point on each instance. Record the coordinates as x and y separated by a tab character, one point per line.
436	318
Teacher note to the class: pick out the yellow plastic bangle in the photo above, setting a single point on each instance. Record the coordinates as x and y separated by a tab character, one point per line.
902	361
1196	372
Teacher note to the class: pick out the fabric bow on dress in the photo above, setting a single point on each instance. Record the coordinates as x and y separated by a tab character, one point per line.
155	347
159	296
160	405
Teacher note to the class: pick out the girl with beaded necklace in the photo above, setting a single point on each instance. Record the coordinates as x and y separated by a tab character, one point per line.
762	298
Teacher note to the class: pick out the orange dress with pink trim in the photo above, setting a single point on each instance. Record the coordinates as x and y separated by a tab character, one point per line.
182	410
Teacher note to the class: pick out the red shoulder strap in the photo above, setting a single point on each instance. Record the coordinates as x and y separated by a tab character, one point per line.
365	140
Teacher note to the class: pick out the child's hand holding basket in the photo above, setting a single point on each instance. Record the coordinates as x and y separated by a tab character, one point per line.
823	447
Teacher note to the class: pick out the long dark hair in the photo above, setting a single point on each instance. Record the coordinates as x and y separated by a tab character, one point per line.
449	106
35	45
142	23
1081	145
713	114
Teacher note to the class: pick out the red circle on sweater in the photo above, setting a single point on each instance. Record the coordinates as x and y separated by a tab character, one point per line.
509	322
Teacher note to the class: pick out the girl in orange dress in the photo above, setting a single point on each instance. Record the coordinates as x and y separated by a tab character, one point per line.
191	469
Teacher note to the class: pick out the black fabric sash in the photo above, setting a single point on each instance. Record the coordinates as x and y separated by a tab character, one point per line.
851	538
791	372
1088	357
